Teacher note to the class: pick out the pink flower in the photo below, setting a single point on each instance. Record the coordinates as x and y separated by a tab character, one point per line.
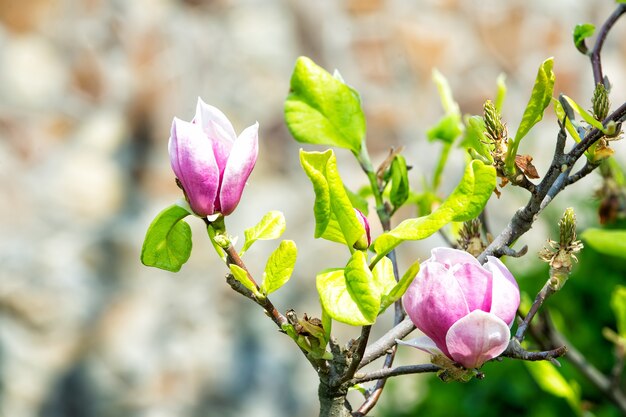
210	161
465	309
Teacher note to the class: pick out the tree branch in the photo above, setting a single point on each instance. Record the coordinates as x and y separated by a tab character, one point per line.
387	341
596	63
390	372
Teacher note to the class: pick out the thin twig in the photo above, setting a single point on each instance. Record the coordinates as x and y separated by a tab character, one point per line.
541	297
390	372
515	351
387	341
596	63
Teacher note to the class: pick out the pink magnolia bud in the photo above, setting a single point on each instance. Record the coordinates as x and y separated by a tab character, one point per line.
465	309
366	240
210	161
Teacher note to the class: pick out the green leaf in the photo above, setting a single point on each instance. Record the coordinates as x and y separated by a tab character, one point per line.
279	267
445	94
607	242
167	244
400	288
466	202
362	287
581	32
384	278
336	300
447	129
551	381
569	123
358	201
539	100
271	226
501	93
618	304
331	198
241	275
399	192
475	137
584	113
322	110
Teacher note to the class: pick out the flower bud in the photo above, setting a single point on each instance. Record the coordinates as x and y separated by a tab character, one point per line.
465	309
211	163
364	241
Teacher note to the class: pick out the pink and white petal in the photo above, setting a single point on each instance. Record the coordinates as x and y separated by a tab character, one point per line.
193	162
476	338
424	343
206	113
476	284
434	301
506	296
218	129
450	257
238	168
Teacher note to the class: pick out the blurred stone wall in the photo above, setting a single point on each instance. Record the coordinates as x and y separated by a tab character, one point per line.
88	90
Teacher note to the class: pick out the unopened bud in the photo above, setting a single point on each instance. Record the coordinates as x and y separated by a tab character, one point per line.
600	102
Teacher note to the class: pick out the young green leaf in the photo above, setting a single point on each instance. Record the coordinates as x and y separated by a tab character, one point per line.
584	113
618	305
583	31
466	202
539	100
241	275
569	123
322	110
399	192
400	288
501	93
336	300
271	226
362	287
447	129
167	244
330	196
445	94
384	278
607	242
475	137
279	267
551	381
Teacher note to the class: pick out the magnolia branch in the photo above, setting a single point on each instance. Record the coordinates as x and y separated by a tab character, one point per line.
391	372
387	341
594	56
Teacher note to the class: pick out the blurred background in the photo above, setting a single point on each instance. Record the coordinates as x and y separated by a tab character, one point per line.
88	90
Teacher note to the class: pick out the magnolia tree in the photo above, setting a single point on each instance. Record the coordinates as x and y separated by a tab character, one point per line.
463	298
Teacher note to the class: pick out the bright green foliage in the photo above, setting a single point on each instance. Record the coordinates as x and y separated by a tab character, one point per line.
241	275
607	242
581	32
399	192
399	288
466	202
588	117
501	93
383	276
475	138
539	100
335	218
271	226
167	244
358	201
570	124
336	300
362	287
322	110
279	267
449	127
550	380
618	304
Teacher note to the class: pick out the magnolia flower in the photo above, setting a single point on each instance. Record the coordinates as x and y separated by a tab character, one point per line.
465	309
210	161
366	240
